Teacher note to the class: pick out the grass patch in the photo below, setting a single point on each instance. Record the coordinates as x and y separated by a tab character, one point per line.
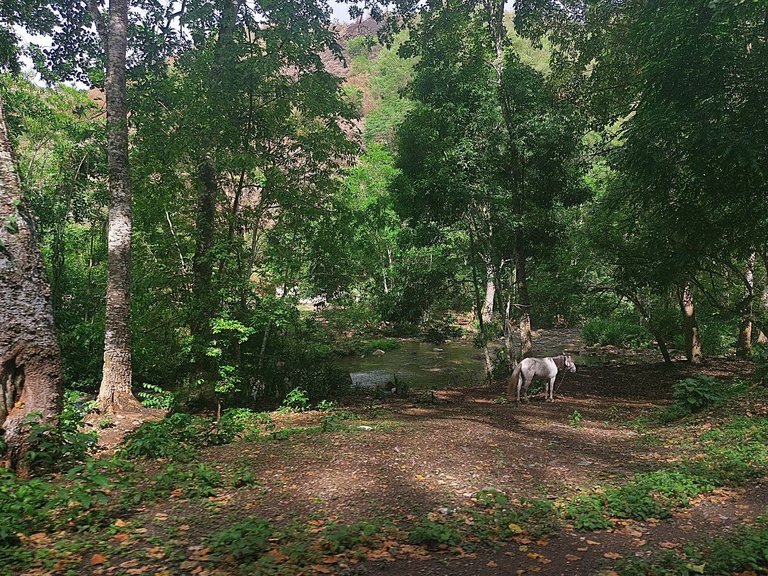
744	551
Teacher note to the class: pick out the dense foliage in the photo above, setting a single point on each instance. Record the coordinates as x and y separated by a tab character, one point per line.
464	164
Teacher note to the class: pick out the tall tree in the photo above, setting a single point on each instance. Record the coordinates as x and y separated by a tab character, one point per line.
30	362
689	101
115	392
490	146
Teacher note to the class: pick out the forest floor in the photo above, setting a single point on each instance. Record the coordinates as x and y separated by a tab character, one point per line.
445	482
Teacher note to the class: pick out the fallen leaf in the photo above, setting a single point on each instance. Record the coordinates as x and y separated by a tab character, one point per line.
161	517
38	538
516	529
120	523
593	543
97	559
583	549
696	568
492	564
612	555
379	555
320	569
184	527
669	545
572	557
277	556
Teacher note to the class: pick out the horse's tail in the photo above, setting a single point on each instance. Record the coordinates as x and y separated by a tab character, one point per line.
513	380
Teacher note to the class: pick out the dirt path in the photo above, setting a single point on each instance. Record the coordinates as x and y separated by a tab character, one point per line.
415	456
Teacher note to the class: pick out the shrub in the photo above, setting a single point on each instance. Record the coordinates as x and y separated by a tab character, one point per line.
717	338
24	506
760	356
616	332
55	448
635	501
245	541
156	397
433	534
587	512
295	401
699	392
178	435
341	537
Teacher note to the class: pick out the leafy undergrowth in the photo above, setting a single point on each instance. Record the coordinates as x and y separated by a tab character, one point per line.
110	516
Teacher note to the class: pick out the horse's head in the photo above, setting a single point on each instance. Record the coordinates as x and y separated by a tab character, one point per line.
569	364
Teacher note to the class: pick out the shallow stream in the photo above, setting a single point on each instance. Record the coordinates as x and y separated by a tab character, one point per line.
422	365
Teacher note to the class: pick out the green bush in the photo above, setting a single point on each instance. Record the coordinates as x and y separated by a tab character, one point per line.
718	338
24	506
295	401
341	537
615	332
744	551
153	396
634	501
587	512
433	534
245	541
178	435
53	448
699	392
760	356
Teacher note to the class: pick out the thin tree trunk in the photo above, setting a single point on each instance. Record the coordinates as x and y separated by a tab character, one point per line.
490	293
523	302
762	338
115	394
202	264
744	342
691	331
661	343
495	19
30	360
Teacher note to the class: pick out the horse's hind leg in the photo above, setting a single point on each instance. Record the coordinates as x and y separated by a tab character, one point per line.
549	389
519	387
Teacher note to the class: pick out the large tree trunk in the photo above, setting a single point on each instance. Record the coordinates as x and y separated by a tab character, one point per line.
744	342
690	325
115	394
30	361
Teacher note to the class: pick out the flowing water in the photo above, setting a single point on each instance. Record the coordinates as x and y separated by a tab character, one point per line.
422	365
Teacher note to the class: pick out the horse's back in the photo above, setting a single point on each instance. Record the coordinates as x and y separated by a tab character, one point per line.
539	367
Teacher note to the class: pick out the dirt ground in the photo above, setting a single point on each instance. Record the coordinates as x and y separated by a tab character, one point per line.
431	452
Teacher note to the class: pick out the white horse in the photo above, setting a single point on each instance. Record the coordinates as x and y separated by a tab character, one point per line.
543	368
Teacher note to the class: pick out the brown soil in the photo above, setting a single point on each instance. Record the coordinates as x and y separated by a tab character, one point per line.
431	452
